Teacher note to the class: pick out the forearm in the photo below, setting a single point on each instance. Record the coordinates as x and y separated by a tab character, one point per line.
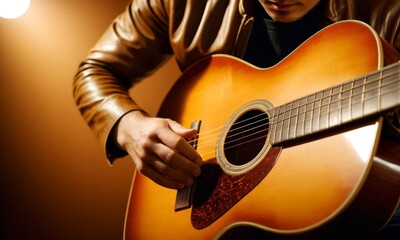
127	52
102	101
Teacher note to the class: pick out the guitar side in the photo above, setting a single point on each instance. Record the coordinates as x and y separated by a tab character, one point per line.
312	184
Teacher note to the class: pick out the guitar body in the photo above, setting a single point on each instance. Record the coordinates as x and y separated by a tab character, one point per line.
339	180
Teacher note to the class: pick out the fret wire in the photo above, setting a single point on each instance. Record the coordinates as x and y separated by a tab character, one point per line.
310	111
363	96
334	117
273	126
288	115
307	108
281	137
358	103
321	110
278	131
371	93
294	120
380	88
290	120
309	116
340	104
280	128
292	110
283	122
276	118
276	126
286	122
301	120
307	119
351	101
316	125
357	95
329	105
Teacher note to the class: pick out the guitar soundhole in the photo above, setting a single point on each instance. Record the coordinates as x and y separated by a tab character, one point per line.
246	137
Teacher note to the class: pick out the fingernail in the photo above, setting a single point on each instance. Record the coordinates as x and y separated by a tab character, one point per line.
199	162
197	172
190	182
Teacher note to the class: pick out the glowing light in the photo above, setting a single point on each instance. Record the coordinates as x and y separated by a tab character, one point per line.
363	140
13	8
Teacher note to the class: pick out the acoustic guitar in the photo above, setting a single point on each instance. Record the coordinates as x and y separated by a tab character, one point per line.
305	148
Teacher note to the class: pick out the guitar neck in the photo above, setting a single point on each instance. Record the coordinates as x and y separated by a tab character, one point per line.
337	106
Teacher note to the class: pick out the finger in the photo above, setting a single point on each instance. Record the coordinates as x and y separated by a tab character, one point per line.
177	142
160	173
182	146
160	179
164	174
176	160
187	151
186	133
172	174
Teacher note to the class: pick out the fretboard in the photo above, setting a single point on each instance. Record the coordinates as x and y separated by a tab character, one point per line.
339	105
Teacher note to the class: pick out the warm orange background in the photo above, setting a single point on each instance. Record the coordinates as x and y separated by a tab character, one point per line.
55	182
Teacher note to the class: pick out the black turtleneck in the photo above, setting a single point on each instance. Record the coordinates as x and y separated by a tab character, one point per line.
271	41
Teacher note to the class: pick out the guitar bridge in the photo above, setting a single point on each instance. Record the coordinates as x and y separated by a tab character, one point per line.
184	196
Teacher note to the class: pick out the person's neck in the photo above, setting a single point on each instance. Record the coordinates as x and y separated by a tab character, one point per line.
260	12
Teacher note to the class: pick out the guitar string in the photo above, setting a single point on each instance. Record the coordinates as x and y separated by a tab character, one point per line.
299	123
315	100
319	99
321	114
212	153
206	134
230	142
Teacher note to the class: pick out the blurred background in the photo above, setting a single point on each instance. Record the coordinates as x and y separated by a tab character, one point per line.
55	182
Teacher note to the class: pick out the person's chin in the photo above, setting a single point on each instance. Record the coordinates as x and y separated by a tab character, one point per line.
284	16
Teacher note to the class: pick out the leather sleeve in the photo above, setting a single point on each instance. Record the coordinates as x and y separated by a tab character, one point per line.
384	17
133	46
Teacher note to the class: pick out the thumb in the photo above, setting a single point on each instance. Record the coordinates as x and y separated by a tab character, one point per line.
185	133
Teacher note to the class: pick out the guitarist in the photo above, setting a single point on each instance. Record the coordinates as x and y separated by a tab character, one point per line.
147	33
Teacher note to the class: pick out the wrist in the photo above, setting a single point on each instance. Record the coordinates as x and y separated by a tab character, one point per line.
120	132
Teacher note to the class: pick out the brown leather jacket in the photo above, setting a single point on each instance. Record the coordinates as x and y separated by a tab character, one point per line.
148	32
